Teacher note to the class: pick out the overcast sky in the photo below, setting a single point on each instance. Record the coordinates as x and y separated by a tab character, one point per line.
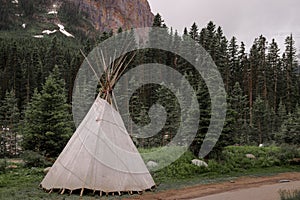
245	19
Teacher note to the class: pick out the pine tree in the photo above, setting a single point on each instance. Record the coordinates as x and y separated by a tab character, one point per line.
5	15
235	71
252	78
238	104
290	66
263	72
221	57
243	67
194	32
207	39
274	65
48	125
9	121
260	114
9	111
158	21
290	129
205	115
185	32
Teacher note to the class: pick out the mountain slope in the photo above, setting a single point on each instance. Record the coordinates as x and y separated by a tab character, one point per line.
109	15
81	18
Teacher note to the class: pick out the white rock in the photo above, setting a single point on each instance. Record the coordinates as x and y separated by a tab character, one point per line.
284	181
152	164
251	156
199	163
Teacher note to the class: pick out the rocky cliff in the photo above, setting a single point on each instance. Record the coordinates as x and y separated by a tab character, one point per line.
109	15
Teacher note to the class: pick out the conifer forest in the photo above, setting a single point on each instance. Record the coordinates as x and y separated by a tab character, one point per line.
37	76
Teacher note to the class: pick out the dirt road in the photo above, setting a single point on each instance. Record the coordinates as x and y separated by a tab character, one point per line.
205	190
265	192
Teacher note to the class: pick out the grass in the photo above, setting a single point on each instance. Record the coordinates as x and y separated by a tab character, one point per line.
23	183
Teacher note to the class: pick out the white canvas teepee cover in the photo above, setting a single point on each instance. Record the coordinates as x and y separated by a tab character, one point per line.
100	156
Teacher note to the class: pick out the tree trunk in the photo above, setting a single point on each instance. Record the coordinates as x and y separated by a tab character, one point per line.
250	96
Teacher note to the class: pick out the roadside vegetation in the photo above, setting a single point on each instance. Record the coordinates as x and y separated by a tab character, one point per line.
20	178
290	195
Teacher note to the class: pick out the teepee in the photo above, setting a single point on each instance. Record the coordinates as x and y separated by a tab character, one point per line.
100	156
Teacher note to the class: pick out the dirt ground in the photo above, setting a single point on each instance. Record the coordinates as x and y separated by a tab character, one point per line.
215	188
265	192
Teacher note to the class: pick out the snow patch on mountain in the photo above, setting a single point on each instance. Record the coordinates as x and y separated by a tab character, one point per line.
38	36
53	12
63	31
48	32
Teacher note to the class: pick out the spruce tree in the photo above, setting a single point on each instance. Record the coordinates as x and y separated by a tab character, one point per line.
290	129
158	21
194	32
235	71
221	55
243	67
274	65
9	111
48	125
185	32
290	67
252	78
260	121
238	104
9	122
263	72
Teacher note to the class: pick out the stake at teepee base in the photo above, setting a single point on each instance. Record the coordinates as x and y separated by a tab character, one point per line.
63	191
100	156
81	193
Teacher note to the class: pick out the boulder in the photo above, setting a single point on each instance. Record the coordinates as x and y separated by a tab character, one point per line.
199	163
251	156
284	181
152	164
12	167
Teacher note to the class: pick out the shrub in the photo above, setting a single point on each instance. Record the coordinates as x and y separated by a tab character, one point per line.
288	152
220	168
235	157
34	159
3	164
179	169
289	195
